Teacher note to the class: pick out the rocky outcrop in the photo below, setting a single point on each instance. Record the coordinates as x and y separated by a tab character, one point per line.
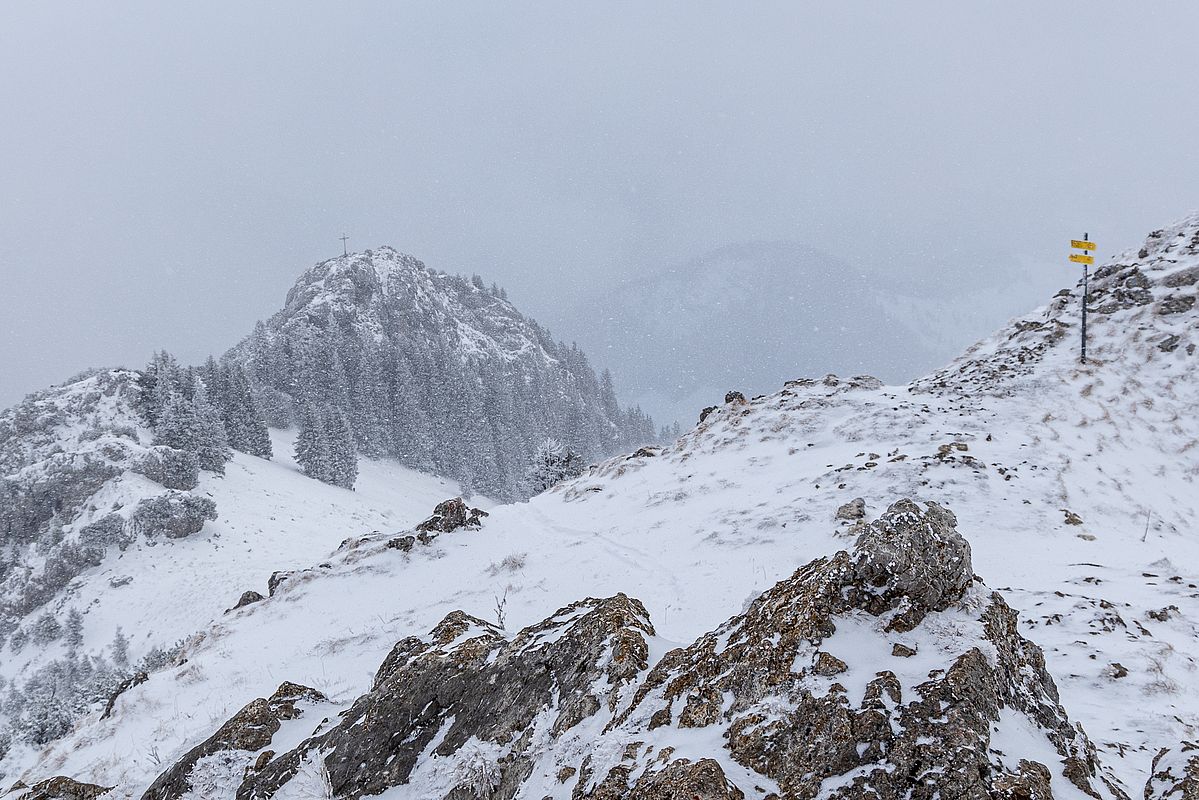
249	730
59	788
450	515
886	671
465	683
1175	774
855	509
248	597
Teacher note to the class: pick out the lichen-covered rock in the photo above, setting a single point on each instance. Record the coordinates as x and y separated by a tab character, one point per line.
886	726
855	509
701	780
452	514
466	682
914	561
249	730
1175	774
61	788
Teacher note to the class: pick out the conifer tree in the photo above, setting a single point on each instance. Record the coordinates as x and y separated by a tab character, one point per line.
312	446
343	456
551	464
74	636
120	649
212	444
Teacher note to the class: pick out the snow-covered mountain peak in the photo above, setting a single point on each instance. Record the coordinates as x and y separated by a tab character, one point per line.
359	276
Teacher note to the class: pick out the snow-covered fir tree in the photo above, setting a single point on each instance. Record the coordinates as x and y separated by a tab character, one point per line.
552	463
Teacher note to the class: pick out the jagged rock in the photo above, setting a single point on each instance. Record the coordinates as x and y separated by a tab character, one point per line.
247	597
828	665
402	543
452	514
902	651
703	415
464	681
946	450
853	510
136	679
701	780
1119	286
1174	774
914	561
1071	517
747	677
734	397
1162	614
250	730
62	788
277	578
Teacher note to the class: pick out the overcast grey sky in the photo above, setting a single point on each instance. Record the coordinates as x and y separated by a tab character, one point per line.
166	172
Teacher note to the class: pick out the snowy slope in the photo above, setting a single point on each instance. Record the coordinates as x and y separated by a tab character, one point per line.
270	518
1075	486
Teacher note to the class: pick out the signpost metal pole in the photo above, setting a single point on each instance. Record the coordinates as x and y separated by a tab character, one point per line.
1086	270
1086	259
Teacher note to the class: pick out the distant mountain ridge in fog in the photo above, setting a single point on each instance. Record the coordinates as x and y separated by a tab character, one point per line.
749	317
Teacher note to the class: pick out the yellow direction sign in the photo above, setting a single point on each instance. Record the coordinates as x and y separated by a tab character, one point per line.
1081	259
1082	245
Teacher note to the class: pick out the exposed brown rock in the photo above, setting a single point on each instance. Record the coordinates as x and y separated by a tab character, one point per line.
450	515
250	729
62	788
466	680
247	597
1174	774
855	509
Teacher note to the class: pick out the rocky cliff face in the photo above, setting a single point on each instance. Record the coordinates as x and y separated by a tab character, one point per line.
886	671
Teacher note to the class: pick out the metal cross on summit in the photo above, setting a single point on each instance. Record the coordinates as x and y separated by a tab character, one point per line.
344	251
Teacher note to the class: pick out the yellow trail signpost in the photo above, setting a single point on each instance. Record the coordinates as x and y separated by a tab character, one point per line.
1086	259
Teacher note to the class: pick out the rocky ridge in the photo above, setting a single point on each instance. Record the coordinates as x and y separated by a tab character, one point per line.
804	694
